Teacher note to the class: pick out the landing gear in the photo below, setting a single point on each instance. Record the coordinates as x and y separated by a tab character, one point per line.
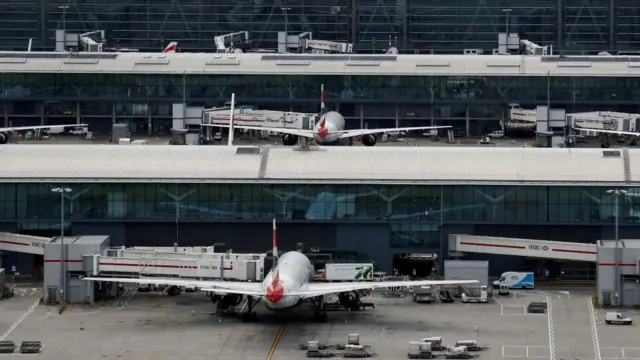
304	143
320	310
250	315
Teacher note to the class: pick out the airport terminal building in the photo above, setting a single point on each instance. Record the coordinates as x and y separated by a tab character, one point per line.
470	93
354	203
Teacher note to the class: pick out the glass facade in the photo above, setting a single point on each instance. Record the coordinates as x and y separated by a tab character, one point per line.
418	25
431	205
294	89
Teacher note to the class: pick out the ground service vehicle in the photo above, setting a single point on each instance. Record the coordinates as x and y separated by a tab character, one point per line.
475	295
348	272
503	289
614	317
515	280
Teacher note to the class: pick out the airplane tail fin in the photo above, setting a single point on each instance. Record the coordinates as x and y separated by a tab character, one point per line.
322	108
171	48
275	244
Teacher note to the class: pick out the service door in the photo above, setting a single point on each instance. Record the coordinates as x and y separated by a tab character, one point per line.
251	271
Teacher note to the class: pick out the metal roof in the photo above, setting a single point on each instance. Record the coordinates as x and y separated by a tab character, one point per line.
343	165
318	64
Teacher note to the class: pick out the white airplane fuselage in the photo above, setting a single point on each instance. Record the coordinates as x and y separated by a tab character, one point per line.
293	271
324	129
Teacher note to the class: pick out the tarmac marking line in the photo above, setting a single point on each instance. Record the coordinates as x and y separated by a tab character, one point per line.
126	302
20	320
50	313
272	350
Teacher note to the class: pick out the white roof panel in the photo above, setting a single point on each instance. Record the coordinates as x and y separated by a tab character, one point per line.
358	164
634	164
445	164
257	64
119	162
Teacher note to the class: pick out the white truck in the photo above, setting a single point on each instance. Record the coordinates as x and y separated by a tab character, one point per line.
348	272
515	280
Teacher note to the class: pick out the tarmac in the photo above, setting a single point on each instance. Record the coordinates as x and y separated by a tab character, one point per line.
151	326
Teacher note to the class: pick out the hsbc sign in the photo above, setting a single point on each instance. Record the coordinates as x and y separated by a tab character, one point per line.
538	247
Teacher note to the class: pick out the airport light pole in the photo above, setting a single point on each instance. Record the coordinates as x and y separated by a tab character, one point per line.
64	24
63	272
618	259
285	10
506	22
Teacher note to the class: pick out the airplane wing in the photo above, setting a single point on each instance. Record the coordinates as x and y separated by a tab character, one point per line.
296	132
318	289
344	134
609	131
20	128
222	287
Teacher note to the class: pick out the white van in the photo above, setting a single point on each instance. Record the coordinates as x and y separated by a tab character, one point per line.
515	280
614	317
496	134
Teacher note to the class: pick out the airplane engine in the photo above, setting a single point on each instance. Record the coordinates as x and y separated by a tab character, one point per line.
350	300
289	139
225	301
4	137
369	140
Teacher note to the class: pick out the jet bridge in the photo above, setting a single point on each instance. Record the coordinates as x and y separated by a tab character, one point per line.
187	263
523	247
227	43
605	120
327	47
25	244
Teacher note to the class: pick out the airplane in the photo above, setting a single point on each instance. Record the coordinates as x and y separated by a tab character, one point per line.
329	130
286	286
7	133
171	48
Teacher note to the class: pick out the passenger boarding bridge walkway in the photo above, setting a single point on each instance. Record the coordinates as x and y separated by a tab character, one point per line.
184	262
523	247
25	244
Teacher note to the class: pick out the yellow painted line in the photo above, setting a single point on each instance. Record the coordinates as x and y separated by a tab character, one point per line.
275	342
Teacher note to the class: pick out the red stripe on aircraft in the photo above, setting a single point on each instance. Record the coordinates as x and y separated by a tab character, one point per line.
13	243
493	245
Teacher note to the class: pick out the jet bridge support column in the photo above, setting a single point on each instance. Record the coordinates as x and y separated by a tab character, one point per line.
467	122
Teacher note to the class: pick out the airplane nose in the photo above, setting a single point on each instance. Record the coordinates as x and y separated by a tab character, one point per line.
275	293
